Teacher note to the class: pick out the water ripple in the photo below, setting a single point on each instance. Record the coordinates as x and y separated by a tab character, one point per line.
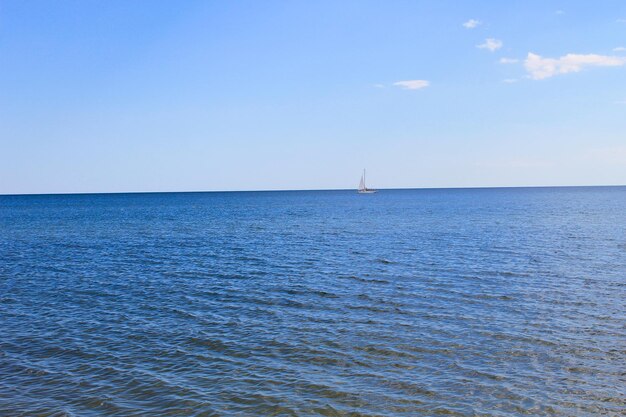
404	303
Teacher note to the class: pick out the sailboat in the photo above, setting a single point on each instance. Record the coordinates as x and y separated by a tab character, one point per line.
363	188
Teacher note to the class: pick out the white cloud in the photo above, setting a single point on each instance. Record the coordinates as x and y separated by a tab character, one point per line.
559	12
510	80
472	23
490	44
539	68
412	84
619	49
621	20
508	60
378	85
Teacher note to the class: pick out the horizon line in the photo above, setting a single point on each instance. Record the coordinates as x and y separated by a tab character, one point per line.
311	189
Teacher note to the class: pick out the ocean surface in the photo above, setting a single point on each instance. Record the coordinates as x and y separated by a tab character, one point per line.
459	302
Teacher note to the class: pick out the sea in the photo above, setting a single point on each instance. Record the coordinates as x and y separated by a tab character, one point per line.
424	302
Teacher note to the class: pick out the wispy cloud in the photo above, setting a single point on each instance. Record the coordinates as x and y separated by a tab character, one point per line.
619	49
508	60
490	44
610	155
472	23
559	12
510	80
412	84
620	102
378	85
539	68
516	163
621	20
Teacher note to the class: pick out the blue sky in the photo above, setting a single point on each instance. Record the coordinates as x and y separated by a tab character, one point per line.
111	96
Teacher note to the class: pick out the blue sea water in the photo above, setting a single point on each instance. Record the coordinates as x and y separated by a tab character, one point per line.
461	302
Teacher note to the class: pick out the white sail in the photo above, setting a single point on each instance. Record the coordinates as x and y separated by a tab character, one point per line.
363	188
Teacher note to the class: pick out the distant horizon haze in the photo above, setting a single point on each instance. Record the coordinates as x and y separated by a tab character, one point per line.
323	189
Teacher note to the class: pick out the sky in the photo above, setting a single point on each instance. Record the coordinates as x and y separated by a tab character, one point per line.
122	96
